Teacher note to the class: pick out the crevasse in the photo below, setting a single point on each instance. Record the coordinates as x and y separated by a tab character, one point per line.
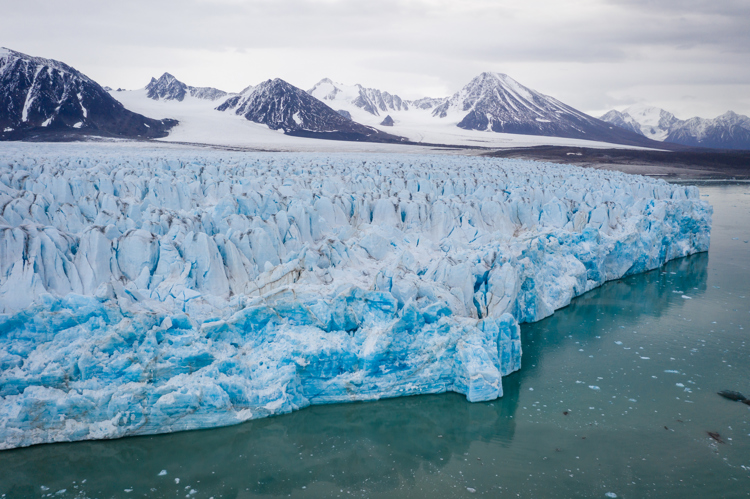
164	290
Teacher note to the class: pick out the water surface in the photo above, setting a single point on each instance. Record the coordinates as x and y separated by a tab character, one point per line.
616	396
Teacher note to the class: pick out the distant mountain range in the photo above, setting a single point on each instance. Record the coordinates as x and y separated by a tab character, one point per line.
42	97
728	131
45	98
491	102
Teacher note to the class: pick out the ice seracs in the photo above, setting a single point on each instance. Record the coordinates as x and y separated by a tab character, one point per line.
168	290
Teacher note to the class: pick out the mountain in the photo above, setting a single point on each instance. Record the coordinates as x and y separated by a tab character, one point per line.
728	131
44	97
427	102
498	103
623	120
167	87
282	106
654	122
369	99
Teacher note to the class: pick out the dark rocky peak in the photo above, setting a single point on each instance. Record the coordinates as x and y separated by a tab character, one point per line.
498	103
282	106
167	87
46	97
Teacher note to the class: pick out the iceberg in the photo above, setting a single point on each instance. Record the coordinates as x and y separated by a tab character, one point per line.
150	290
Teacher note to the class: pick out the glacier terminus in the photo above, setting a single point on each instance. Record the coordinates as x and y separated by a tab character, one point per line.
153	289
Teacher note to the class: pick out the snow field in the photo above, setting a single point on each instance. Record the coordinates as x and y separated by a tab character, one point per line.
167	290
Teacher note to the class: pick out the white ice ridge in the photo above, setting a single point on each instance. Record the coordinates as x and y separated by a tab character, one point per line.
167	290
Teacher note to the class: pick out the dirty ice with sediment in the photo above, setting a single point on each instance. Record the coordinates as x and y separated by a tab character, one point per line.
149	290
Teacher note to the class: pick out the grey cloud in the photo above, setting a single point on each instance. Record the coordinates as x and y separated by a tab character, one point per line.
401	45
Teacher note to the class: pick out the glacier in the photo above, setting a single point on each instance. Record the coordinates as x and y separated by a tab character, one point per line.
154	289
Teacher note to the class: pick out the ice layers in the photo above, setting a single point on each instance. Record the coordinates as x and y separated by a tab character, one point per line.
171	290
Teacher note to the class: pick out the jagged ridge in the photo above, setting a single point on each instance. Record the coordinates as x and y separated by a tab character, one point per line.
728	131
167	87
496	102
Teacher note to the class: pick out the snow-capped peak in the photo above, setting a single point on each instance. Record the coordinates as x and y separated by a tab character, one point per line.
372	100
649	116
649	121
40	95
7	56
728	131
496	91
282	106
167	87
495	102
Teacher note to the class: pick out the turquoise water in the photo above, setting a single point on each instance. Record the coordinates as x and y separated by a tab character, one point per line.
635	364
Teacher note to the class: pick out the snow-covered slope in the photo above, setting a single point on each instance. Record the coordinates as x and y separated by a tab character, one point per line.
496	102
169	290
623	120
42	97
371	100
728	131
655	122
200	123
167	87
282	106
426	102
514	115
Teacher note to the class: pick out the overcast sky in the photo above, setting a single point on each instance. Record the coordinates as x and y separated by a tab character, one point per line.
691	57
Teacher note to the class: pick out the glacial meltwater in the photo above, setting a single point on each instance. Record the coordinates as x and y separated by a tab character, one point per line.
616	397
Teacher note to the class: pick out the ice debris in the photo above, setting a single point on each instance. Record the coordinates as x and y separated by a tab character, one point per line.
168	290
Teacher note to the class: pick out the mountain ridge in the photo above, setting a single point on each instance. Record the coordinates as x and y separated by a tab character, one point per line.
282	106
727	131
498	103
48	98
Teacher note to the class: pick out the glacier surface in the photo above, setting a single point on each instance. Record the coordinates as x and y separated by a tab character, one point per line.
164	290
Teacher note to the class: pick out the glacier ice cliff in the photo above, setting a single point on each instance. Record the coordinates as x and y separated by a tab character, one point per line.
153	290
